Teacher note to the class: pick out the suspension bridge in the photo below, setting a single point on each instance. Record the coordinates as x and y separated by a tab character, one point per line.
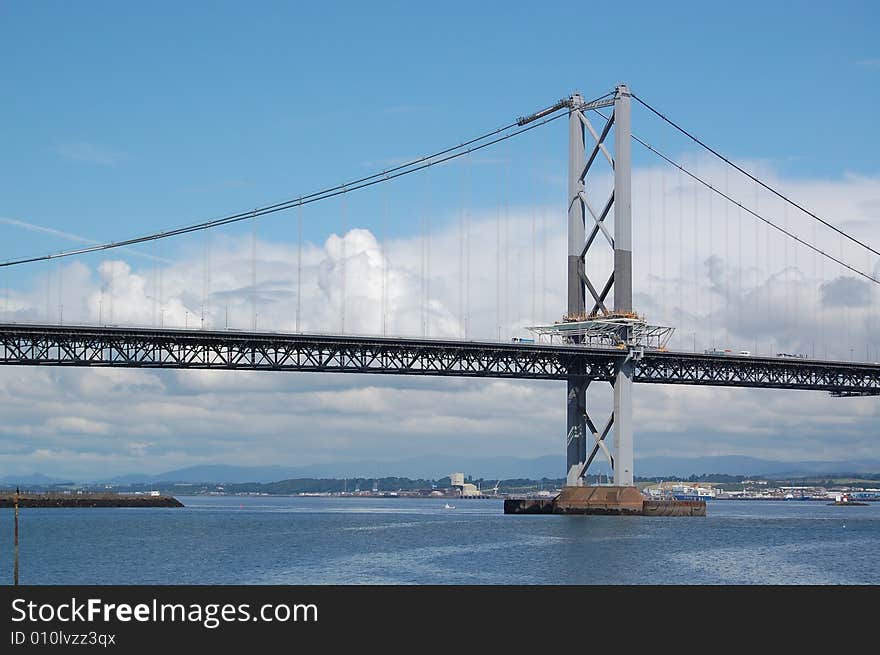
601	337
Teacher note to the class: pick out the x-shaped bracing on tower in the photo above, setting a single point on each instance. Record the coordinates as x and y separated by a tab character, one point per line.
583	245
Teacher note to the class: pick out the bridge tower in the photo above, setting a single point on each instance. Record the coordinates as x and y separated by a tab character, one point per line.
581	430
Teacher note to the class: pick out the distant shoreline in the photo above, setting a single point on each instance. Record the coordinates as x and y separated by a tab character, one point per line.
468	498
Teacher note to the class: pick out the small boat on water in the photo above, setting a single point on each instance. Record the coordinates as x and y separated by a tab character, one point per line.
448	506
844	500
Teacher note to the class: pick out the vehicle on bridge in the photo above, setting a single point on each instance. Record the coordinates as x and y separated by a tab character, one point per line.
727	351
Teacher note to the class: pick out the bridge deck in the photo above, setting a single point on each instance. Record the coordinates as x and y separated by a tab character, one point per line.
47	345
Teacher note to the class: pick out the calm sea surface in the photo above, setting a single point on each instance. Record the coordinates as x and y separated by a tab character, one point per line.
259	540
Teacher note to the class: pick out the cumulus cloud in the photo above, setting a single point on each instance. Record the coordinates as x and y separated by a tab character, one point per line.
719	276
846	292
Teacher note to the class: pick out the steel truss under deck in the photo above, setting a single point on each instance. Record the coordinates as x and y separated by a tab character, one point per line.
38	345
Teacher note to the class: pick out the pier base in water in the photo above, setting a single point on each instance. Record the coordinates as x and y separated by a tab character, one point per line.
604	500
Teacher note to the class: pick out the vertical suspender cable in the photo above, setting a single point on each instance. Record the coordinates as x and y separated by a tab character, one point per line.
505	285
868	321
697	268
204	277
847	322
343	264
112	291
498	264
254	273
423	222
56	291
740	304
101	298
161	292
727	267
681	254
797	291
428	259
467	286
532	204
712	260
385	264
507	310
821	307
532	197
785	291
664	283
60	294
769	262
299	268
48	318
818	311
155	282
461	252
757	270
208	285
544	236
650	240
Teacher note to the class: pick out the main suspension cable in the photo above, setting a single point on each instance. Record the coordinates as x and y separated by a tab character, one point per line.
447	154
753	213
753	178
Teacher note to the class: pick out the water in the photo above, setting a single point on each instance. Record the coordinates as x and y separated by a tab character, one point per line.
260	540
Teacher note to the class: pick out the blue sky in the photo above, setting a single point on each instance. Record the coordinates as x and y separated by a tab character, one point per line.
120	117
123	118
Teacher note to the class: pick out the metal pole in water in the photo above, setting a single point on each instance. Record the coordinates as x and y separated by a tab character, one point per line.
15	565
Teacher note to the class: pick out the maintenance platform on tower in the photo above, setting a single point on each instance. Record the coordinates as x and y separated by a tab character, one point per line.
609	330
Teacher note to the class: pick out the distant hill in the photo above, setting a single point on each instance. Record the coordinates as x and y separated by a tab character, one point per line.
31	479
210	473
430	468
493	468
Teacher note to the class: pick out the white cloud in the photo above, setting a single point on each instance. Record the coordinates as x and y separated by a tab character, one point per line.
76	425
